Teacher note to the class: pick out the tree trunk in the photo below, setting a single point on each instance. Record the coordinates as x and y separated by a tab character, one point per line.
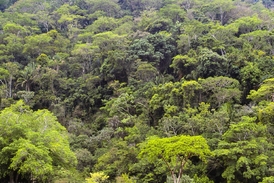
17	176
174	178
10	85
11	177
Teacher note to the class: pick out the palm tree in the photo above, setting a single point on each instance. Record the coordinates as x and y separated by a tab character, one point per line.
28	75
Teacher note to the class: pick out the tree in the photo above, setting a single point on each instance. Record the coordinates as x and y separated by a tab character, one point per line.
174	12
265	92
85	54
13	42
268	179
97	177
191	32
211	64
157	49
34	146
220	37
138	6
66	18
248	24
250	76
117	160
8	74
28	75
245	152
265	114
28	6
102	24
190	89
145	72
219	90
50	43
175	151
110	8
125	179
12	69
260	40
217	9
183	65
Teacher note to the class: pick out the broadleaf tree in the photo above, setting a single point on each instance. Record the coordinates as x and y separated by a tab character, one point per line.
175	151
34	146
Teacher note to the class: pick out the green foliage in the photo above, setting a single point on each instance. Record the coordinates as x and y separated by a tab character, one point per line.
174	94
146	72
248	24
265	92
97	177
117	160
250	75
29	139
219	90
172	11
183	65
267	179
245	149
156	48
211	64
117	72
204	179
103	24
175	152
111	8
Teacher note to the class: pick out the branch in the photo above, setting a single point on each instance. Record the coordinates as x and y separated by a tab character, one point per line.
171	171
183	162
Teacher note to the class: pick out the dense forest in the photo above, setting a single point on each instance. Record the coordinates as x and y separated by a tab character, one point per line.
137	91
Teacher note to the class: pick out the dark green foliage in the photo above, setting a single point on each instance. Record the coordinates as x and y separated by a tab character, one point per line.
115	73
156	48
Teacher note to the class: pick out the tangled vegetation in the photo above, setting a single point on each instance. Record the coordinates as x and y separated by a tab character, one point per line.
133	83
